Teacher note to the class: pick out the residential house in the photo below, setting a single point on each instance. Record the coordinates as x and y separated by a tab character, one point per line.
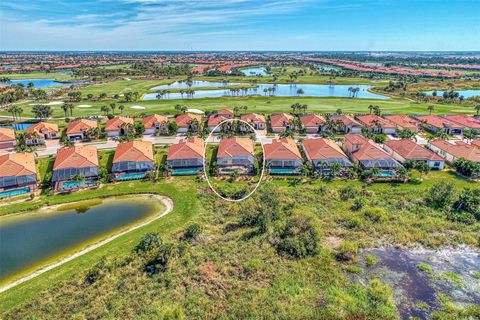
467	122
369	155
132	160
346	124
236	154
312	123
405	149
7	138
377	124
40	132
188	122
18	174
282	156
436	123
119	126
213	122
452	151
256	120
72	163
186	156
79	129
323	153
226	113
282	122
155	124
403	122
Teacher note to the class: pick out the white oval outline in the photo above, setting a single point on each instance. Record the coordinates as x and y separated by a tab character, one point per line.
205	161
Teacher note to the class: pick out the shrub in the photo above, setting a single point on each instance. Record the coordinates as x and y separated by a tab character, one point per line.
192	232
358	204
379	293
353	222
348	192
370	260
160	262
97	272
469	201
441	195
298	239
467	168
347	251
148	242
375	214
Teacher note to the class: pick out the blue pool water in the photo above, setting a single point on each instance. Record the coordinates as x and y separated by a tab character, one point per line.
464	93
386	174
37	83
12	193
131	176
283	171
281	90
184	172
258	71
22	126
71	184
191	85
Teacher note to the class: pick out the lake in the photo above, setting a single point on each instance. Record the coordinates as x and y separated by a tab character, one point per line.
252	72
37	83
28	239
281	90
464	93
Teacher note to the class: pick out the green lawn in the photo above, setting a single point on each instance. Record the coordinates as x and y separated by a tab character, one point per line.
41	75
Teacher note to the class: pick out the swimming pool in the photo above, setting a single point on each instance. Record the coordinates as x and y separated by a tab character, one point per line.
131	176
75	184
13	193
186	171
283	171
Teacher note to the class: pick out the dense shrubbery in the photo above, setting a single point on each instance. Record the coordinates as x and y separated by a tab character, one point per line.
149	242
192	232
467	168
298	239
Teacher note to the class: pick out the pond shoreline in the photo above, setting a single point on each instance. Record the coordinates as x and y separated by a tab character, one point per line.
166	201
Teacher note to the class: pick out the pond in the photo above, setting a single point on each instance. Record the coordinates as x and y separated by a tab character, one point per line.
280	90
257	71
28	239
37	83
464	93
418	276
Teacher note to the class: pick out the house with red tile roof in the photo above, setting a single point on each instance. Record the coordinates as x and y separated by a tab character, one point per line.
186	156
78	129
188	122
475	143
72	162
119	126
282	156
18	174
213	121
226	113
155	123
436	123
452	151
235	154
346	124
282	122
369	155
323	153
405	149
7	138
377	124
467	122
256	120
40	132
403	121
312	123
132	160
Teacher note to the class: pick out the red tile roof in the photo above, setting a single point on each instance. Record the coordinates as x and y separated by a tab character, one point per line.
284	148
183	119
370	151
312	120
403	121
252	117
225	112
150	121
7	134
355	138
371	119
76	157
235	147
408	149
80	125
41	127
117	123
322	149
134	151
281	119
459	149
464	121
17	164
438	122
346	120
215	119
191	148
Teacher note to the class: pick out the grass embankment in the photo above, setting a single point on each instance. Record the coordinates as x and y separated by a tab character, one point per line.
237	270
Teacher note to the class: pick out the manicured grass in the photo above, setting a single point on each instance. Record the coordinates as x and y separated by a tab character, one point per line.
41	75
122	86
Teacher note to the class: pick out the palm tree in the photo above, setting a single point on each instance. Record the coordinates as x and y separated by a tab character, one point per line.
370	107
336	168
121	107
430	109
300	91
65	109
477	108
113	106
339	111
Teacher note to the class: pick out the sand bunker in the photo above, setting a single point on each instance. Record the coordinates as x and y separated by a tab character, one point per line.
84	106
195	111
137	107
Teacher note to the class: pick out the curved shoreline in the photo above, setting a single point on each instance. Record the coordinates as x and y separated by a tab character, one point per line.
168	208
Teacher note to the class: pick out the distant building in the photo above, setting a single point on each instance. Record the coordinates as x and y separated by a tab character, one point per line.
188	122
78	129
402	121
435	123
256	120
323	153
282	156
406	149
312	123
132	160
467	122
226	113
155	123
346	124
213	121
236	154
377	124
186	156
282	122
453	151
7	138
42	131
72	162
18	174
119	126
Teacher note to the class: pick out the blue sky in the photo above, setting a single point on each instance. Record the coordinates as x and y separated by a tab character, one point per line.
240	25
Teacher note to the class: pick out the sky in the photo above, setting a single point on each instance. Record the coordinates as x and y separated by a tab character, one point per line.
276	25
